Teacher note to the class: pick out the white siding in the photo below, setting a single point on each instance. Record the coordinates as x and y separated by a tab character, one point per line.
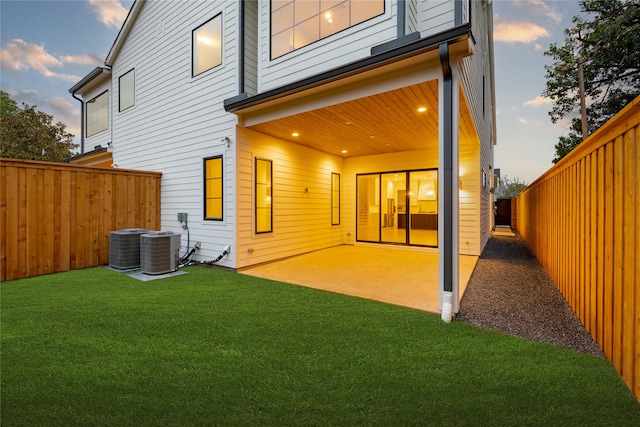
470	201
178	120
301	199
477	92
435	16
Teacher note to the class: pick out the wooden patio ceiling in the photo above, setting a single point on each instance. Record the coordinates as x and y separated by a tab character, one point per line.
384	123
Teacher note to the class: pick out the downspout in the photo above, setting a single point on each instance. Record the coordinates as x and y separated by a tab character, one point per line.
81	122
458	12
446	251
241	52
402	19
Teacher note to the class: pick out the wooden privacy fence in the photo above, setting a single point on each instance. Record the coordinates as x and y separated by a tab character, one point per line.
57	217
582	221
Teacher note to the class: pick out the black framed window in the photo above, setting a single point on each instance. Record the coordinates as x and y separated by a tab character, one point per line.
98	114
263	195
126	90
335	198
298	23
207	46
213	188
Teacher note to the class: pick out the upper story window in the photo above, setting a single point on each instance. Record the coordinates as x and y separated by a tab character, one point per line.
207	45
126	90
98	114
297	23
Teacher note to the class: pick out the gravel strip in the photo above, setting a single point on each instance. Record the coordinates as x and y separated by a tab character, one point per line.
510	292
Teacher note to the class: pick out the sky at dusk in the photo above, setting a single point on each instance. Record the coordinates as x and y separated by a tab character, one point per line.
48	46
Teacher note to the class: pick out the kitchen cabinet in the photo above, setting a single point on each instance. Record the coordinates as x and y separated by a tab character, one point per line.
419	221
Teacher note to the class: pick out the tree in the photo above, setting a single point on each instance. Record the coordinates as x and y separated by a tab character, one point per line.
510	187
606	41
7	105
26	133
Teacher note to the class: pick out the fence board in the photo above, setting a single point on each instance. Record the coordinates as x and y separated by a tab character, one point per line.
57	217
594	197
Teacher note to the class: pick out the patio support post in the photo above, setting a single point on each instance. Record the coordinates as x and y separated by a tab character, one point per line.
448	159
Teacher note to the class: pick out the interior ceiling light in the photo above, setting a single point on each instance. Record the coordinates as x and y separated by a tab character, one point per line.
344	151
347	123
422	109
295	134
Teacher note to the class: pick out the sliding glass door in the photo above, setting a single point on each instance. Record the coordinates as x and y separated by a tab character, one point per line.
398	208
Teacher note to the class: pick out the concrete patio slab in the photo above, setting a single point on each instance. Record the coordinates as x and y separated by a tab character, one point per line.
406	278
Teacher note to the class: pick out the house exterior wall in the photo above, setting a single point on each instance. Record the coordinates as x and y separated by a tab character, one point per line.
178	120
301	199
476	81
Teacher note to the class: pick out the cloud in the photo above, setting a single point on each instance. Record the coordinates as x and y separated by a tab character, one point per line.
518	32
541	8
18	55
538	101
87	59
110	12
61	109
523	120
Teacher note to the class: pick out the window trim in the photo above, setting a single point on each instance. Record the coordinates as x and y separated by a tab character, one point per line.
333	220
272	58
270	194
193	45
204	193
86	114
120	109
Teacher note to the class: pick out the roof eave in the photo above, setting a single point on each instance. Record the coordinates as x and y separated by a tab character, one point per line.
95	73
124	32
393	54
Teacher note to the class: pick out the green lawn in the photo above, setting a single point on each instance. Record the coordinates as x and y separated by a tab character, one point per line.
212	347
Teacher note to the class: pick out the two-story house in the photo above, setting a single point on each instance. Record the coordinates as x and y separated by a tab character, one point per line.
286	126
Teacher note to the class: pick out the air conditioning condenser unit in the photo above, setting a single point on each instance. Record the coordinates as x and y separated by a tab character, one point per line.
124	248
159	252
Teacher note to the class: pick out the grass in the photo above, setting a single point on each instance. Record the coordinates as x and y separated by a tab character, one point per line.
212	347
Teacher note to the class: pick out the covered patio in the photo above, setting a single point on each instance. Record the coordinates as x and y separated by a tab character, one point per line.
400	276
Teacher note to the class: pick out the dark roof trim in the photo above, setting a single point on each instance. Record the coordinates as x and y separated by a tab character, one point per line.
410	49
89	77
96	150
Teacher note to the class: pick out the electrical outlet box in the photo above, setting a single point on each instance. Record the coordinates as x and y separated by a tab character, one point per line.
182	216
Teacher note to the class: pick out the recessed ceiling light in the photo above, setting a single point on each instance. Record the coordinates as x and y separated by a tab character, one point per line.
422	109
344	151
295	134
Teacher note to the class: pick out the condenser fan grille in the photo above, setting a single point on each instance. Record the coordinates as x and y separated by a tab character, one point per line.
124	248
